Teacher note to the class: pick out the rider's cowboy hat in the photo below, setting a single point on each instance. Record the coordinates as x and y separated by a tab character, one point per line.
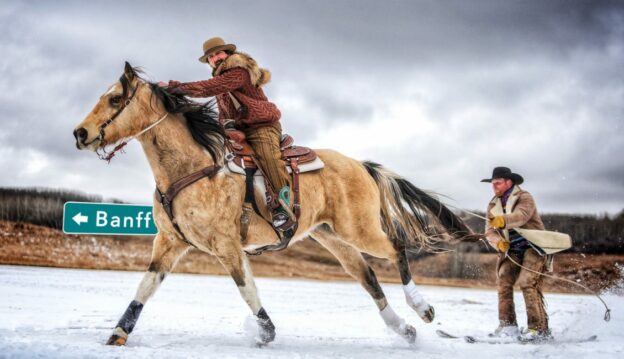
215	44
504	172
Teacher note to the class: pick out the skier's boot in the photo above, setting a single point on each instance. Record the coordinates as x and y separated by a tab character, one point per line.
535	336
505	331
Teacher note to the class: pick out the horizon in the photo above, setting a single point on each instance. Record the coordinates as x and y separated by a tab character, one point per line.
112	200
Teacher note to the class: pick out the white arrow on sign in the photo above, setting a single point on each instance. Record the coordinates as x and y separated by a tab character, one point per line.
79	218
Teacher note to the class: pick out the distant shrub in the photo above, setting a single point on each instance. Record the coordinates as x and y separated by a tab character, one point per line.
590	233
42	206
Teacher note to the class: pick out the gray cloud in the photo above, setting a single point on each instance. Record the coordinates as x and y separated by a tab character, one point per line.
440	92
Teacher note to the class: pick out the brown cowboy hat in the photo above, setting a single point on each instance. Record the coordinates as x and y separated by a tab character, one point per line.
215	44
504	172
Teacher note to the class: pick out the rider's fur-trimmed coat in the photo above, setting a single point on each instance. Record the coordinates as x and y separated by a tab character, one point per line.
240	75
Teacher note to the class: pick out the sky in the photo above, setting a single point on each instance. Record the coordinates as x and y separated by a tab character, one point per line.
441	92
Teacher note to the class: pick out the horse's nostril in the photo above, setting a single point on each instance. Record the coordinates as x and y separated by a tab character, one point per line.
80	134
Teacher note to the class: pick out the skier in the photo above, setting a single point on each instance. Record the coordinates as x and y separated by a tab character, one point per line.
512	207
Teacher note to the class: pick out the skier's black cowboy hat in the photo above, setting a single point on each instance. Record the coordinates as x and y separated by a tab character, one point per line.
504	172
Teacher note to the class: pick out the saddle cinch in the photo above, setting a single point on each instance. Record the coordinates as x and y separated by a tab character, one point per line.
240	159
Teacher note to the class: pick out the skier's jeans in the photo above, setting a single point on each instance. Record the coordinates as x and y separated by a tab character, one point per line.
530	284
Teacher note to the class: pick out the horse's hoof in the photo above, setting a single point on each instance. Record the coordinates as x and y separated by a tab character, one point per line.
428	315
266	332
409	334
116	340
266	328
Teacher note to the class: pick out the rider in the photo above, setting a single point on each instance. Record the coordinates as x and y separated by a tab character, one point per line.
237	84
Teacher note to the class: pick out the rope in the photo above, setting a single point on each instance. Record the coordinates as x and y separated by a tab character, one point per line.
607	315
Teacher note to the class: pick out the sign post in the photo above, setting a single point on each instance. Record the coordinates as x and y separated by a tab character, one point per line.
108	218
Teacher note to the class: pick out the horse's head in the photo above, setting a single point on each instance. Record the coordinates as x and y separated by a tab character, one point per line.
117	114
132	106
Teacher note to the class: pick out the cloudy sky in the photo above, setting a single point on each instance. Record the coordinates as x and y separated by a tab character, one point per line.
439	91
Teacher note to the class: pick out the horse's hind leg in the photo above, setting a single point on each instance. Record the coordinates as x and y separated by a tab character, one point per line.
235	262
412	296
354	264
165	255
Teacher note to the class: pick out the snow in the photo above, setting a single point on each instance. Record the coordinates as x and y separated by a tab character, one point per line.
49	312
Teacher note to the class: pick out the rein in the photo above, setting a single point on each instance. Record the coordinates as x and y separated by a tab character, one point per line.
108	156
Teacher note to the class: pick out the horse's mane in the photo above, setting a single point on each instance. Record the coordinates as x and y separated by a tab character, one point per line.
202	118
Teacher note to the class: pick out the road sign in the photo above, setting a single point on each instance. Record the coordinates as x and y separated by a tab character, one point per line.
108	218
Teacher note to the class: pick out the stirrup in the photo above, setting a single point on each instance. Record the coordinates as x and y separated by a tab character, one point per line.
287	229
279	218
286	233
271	247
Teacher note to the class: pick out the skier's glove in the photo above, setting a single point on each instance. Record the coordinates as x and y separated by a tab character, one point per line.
502	246
498	222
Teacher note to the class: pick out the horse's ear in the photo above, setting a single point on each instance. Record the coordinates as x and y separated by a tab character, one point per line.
129	71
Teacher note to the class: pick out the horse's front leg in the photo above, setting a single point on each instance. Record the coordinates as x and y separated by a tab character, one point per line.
235	262
165	255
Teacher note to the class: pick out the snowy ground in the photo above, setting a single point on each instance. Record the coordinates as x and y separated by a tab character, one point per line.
46	312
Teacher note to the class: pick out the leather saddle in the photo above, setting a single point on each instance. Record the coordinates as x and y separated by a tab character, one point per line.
242	155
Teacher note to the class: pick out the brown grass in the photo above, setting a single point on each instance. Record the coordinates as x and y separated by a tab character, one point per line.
28	244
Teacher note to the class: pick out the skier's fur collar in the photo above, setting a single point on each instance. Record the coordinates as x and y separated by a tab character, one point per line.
258	75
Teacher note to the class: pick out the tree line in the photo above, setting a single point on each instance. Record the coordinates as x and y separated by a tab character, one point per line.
590	234
41	206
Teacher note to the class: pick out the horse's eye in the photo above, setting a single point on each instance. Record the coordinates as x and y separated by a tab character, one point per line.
115	100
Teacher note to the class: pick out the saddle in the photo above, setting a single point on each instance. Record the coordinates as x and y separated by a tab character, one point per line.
241	159
241	155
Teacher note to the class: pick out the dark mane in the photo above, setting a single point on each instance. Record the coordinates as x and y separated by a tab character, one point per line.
202	119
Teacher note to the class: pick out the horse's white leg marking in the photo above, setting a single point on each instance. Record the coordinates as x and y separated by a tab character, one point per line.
248	291
236	263
149	284
415	300
397	324
392	319
164	257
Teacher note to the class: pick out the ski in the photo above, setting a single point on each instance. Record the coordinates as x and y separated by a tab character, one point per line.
473	340
507	340
443	334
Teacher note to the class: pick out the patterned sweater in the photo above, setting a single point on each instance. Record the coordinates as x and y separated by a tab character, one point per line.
238	75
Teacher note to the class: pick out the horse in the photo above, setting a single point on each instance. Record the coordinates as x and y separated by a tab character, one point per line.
349	207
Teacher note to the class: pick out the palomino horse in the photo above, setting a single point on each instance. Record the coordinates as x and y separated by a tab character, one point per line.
349	207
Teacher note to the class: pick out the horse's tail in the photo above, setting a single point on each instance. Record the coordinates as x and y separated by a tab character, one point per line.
408	212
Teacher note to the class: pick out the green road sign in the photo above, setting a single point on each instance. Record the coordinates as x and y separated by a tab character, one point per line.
108	218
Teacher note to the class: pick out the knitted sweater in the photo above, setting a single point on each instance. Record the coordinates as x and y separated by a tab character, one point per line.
239	75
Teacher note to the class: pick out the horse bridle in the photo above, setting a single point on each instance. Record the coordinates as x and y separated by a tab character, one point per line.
124	84
126	101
